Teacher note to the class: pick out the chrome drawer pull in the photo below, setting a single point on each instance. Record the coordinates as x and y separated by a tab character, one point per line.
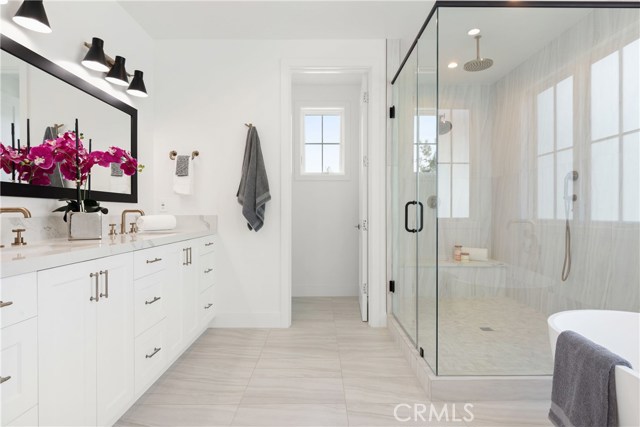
5	304
208	306
155	350
154	260
3	379
208	270
152	301
208	244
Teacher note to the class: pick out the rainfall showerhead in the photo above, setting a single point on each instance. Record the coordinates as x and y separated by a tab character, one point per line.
444	126
478	64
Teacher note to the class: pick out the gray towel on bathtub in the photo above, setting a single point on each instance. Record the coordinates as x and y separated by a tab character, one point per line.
253	192
584	385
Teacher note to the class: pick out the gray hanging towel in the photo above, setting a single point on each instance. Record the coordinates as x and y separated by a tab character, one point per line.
584	383
56	176
253	192
182	165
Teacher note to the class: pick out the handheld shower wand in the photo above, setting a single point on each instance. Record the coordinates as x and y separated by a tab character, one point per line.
568	200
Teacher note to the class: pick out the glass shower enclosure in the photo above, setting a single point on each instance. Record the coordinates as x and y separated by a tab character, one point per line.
515	183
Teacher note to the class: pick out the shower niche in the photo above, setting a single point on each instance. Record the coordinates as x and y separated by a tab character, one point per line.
494	107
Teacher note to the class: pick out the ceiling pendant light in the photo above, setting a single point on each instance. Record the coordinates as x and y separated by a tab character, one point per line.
95	59
31	15
118	74
137	87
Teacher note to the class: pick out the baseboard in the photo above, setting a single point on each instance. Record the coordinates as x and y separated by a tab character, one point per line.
331	290
247	320
468	388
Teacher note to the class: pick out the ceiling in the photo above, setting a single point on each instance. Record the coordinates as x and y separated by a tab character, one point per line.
301	19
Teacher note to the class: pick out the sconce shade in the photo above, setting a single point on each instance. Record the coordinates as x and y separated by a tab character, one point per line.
95	58
137	87
118	74
31	15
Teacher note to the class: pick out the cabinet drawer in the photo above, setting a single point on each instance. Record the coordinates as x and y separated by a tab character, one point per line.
206	244
19	369
150	301
19	298
207	306
149	261
207	271
150	357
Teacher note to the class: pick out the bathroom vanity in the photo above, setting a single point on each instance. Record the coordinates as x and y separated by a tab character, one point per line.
88	327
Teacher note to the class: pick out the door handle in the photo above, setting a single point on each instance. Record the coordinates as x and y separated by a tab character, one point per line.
151	261
208	306
208	270
97	297
406	216
190	256
3	379
186	256
421	216
106	283
5	304
357	226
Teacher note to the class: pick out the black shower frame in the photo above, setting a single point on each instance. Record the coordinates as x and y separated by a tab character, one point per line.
514	4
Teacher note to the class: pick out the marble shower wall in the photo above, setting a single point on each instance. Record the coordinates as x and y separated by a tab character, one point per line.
605	273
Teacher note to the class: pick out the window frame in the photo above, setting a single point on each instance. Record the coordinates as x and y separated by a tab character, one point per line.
332	109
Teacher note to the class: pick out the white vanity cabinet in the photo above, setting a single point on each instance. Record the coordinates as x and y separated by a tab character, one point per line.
86	342
81	342
19	350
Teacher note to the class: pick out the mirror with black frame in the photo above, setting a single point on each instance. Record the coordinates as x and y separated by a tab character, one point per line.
51	98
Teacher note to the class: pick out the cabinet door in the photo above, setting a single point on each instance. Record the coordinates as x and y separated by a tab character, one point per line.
173	302
189	283
115	338
19	369
67	345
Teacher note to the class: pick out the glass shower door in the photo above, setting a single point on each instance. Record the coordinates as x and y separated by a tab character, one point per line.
428	125
404	204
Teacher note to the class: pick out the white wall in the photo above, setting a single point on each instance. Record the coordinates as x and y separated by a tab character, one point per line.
74	22
205	94
325	242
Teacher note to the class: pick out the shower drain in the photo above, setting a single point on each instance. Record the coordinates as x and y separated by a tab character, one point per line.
486	329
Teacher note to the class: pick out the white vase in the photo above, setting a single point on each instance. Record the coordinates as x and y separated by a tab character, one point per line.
85	225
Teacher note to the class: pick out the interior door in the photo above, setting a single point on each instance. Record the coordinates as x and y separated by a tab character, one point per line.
362	207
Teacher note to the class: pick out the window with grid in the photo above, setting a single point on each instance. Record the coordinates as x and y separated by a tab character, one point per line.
452	160
554	113
615	136
322	150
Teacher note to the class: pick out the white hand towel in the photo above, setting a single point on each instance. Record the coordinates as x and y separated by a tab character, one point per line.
156	222
183	184
477	254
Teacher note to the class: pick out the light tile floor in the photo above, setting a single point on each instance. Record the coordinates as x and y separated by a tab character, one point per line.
328	369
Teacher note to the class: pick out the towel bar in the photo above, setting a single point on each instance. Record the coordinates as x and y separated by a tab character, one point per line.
173	154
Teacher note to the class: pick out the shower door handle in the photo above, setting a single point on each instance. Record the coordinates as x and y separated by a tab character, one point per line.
406	217
421	216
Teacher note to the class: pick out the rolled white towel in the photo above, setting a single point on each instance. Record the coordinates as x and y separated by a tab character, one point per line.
477	254
156	222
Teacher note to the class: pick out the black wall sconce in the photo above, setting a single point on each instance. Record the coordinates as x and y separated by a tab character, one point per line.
97	60
31	15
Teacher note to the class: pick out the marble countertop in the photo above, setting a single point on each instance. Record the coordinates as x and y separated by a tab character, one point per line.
56	252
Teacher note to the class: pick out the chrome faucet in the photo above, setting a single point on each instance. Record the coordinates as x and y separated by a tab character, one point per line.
123	218
19	241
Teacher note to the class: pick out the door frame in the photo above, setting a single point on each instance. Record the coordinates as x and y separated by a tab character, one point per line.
376	77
